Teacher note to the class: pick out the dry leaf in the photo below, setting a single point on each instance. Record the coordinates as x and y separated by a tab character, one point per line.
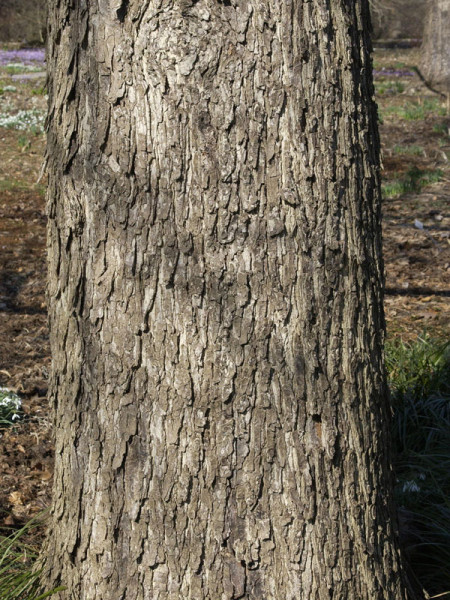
15	498
9	520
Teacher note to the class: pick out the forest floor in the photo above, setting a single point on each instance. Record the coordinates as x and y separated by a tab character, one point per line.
415	139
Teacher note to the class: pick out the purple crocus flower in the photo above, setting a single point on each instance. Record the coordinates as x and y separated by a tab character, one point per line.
392	73
26	56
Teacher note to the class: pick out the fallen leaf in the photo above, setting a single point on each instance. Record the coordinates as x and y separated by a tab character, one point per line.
9	520
15	498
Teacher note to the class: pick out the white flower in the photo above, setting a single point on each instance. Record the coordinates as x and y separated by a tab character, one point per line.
10	405
23	120
410	486
23	67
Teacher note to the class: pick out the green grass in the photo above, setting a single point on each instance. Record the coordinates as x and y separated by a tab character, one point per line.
18	68
389	87
39	91
442	128
13	185
419	376
410	182
24	142
18	579
416	111
409	150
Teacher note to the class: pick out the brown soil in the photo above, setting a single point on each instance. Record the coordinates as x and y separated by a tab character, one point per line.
26	450
417	261
417	275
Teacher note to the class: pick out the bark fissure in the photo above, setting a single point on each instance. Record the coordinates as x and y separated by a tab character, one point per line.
122	11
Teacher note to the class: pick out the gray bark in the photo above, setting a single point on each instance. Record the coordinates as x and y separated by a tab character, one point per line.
435	64
215	290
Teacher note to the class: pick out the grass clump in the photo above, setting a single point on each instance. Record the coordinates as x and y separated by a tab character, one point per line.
389	87
18	579
12	185
442	128
409	150
419	375
24	142
39	91
416	111
18	68
411	182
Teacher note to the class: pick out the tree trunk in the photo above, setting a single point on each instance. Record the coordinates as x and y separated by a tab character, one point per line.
435	64
215	304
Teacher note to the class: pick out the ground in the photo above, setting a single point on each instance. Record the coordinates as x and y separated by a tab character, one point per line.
416	219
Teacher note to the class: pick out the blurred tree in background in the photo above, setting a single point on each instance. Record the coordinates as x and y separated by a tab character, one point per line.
23	21
398	19
435	65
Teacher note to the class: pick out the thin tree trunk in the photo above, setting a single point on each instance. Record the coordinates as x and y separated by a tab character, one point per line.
215	304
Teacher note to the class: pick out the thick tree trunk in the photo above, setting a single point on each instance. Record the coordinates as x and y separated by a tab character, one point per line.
215	304
435	64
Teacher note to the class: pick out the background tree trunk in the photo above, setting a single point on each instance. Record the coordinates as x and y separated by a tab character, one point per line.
435	65
215	304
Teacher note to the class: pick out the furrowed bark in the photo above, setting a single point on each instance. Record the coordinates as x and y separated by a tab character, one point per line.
216	304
